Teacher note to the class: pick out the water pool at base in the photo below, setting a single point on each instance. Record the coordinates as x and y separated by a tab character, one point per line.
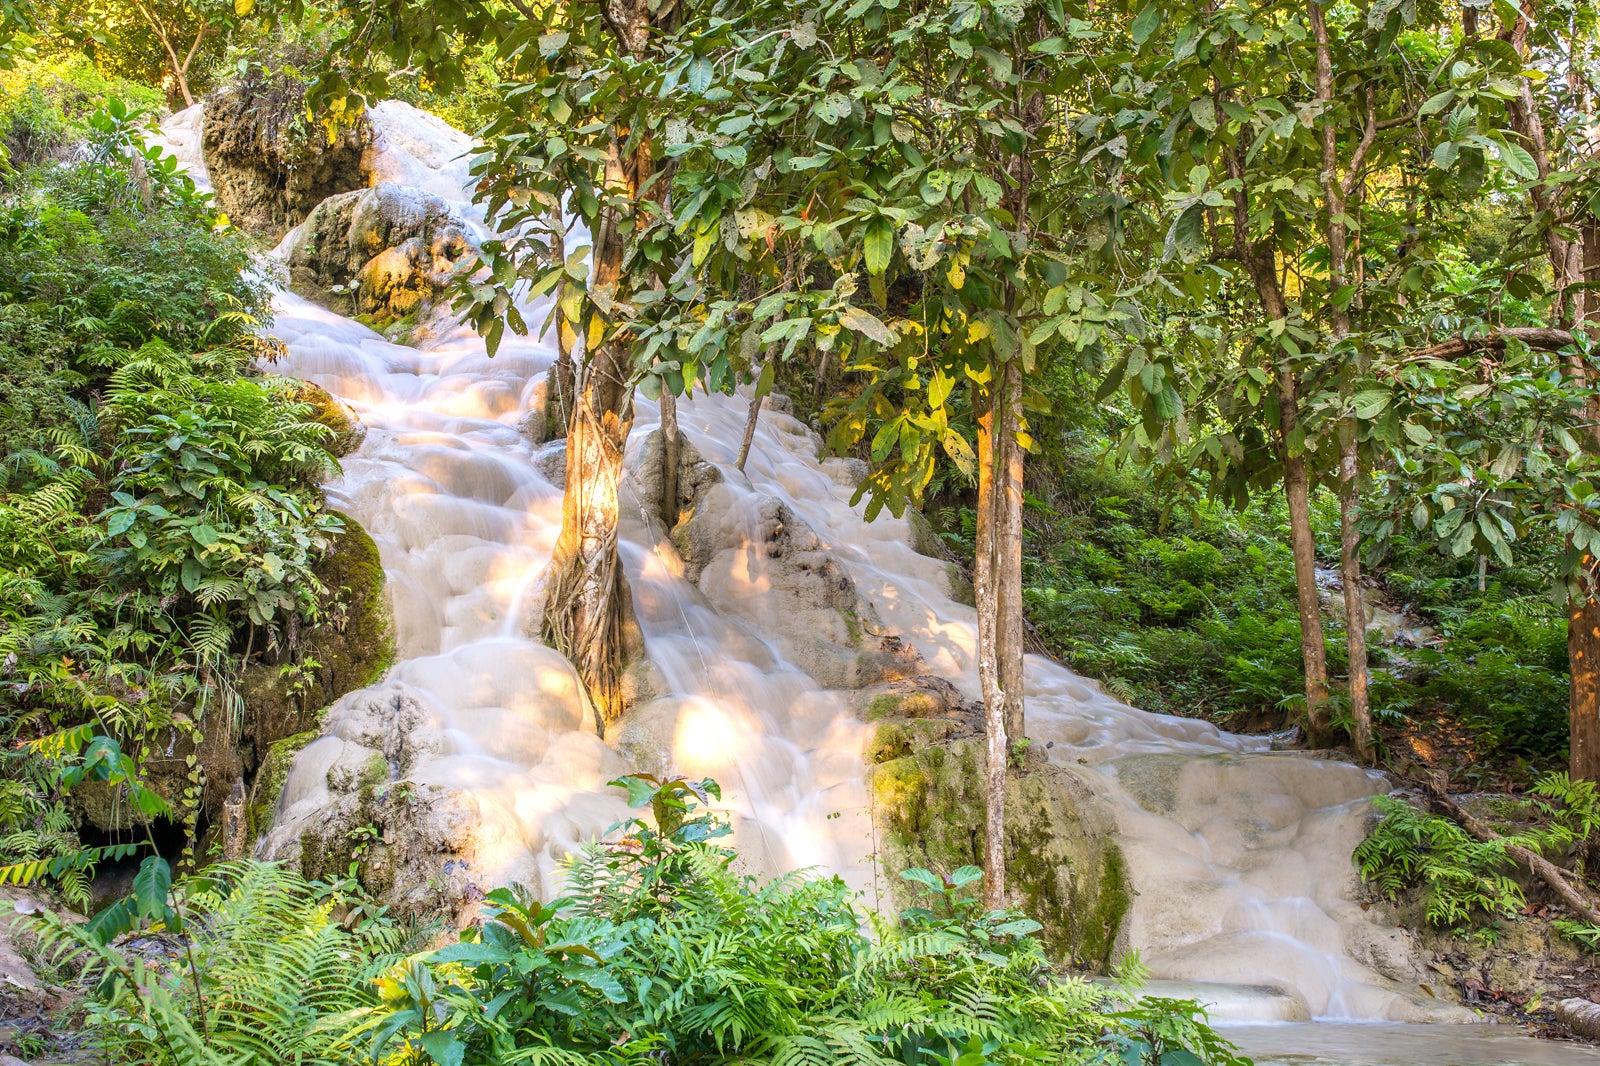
1388	1044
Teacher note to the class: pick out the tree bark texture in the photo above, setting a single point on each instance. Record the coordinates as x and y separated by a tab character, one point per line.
670	449
1355	607
585	589
1008	552
987	598
1297	492
1583	657
1261	265
1336	192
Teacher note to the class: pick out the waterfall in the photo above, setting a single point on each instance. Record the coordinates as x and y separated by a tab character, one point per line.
1240	856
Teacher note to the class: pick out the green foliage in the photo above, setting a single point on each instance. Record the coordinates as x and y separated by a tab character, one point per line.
159	499
1464	881
665	953
245	965
1185	613
44	102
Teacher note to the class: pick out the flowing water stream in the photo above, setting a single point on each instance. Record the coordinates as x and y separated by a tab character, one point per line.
1240	856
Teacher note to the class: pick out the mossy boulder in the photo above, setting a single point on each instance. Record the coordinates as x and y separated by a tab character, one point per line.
387	253
348	651
284	701
1063	865
271	777
328	410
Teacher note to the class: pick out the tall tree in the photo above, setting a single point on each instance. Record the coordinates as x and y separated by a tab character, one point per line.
867	181
578	135
1280	135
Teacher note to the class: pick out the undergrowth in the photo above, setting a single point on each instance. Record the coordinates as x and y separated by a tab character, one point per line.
662	953
160	509
1468	885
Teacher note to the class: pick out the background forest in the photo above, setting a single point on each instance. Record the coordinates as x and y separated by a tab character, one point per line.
1191	331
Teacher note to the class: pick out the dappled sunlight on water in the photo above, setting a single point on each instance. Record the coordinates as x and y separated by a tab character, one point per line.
1239	856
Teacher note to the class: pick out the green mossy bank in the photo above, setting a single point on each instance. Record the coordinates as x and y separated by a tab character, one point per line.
1063	865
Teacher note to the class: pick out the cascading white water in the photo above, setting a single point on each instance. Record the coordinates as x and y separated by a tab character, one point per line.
1240	856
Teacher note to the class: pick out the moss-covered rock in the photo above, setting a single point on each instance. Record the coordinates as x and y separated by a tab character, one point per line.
271	776
1063	865
284	700
328	410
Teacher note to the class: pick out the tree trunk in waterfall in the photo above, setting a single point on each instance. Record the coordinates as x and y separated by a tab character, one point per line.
1355	606
749	431
986	595
1583	657
669	458
1008	553
585	589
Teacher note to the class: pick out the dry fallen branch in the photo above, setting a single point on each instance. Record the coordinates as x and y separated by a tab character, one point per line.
1576	899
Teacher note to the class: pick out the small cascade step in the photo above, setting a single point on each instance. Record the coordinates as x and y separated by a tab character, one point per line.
1236	1004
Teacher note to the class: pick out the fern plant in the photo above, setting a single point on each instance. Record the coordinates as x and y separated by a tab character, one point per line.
259	968
665	952
1466	881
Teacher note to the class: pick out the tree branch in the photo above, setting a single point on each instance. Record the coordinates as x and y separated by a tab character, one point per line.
1548	340
1536	864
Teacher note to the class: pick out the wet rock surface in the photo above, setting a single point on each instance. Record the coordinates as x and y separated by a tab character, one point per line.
388	252
268	166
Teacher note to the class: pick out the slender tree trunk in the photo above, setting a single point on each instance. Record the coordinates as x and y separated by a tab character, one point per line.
179	67
670	450
1583	656
1008	553
1297	491
1583	619
1355	607
1261	265
987	598
1337	191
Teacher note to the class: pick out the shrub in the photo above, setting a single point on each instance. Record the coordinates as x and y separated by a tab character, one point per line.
664	953
159	502
247	965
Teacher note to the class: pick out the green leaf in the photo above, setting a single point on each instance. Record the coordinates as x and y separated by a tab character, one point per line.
1370	403
443	1047
764	380
1437	102
1145	23
965	876
150	887
699	76
866	324
1518	161
878	245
